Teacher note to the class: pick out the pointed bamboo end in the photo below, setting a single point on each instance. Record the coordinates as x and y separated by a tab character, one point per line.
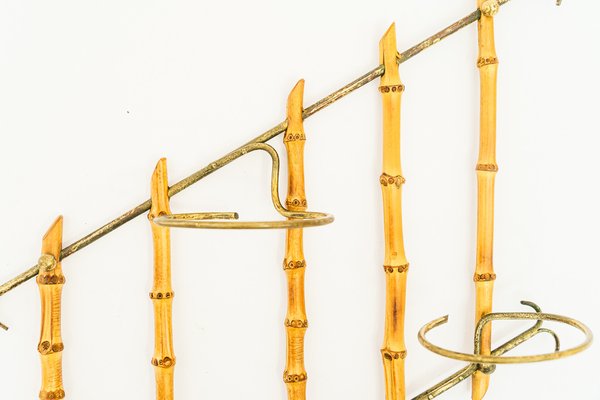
388	56
160	189
481	383
52	241
294	109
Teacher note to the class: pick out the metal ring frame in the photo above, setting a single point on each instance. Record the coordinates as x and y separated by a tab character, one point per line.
227	220
493	359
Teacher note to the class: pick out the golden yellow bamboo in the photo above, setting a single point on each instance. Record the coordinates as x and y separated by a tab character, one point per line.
395	264
294	263
162	293
486	173
50	281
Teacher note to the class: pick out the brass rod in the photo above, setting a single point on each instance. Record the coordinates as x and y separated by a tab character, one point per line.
262	138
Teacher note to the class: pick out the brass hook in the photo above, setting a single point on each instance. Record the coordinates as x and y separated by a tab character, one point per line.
298	219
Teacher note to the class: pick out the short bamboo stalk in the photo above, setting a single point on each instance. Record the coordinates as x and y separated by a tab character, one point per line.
162	292
50	281
486	172
395	264
294	263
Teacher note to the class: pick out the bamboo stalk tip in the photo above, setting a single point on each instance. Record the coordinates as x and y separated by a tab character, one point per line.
295	104
388	54
388	40
52	241
160	189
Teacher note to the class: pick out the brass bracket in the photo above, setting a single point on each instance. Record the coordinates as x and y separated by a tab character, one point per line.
226	220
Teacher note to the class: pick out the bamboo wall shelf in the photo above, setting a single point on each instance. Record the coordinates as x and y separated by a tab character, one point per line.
294	216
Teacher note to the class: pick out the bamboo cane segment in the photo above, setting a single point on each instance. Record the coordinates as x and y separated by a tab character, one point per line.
162	292
486	173
294	263
50	281
395	264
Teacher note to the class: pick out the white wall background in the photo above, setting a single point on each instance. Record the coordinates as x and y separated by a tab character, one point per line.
94	93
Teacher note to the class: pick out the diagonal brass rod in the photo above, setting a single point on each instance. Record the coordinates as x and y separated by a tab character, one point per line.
264	137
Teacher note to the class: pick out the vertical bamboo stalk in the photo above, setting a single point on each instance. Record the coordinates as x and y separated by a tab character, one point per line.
395	264
486	173
162	293
50	281
294	263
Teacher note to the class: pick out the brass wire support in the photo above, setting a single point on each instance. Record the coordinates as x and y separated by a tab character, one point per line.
224	220
262	138
486	364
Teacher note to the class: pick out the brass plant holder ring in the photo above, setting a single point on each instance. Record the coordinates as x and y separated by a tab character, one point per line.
228	220
491	359
209	221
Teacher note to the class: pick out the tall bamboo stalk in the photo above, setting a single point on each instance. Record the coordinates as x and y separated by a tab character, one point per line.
294	263
486	173
50	281
162	293
395	263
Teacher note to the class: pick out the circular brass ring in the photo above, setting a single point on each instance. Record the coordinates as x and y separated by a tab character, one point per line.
489	359
228	221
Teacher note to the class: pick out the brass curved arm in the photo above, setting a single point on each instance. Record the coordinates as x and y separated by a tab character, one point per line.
491	359
220	220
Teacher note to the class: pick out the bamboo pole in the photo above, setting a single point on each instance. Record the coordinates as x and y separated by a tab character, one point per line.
294	263
395	263
50	281
486	173
162	293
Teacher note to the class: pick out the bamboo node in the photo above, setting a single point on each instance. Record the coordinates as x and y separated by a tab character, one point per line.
292	137
293	378
52	394
296	323
46	347
386	180
391	88
393	355
164	362
487	167
483	61
296	202
400	268
162	295
291	264
49	279
486	277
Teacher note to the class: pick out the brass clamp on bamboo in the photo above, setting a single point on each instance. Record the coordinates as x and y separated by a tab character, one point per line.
486	364
228	220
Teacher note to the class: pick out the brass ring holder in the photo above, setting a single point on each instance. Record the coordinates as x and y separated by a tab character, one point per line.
510	316
228	220
487	363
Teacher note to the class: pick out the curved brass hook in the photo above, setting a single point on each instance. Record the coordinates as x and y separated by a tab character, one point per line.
517	340
298	219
